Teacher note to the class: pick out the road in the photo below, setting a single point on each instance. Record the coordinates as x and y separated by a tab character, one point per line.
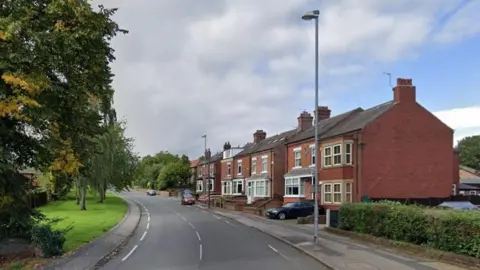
176	237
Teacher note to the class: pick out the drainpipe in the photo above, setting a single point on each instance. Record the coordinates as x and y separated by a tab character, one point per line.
358	164
272	155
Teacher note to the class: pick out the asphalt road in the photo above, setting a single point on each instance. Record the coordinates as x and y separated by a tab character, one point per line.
175	237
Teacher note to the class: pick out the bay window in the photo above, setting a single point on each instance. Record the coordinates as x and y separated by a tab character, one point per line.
237	187
337	154
294	187
327	193
327	156
348	192
199	186
348	153
226	187
337	193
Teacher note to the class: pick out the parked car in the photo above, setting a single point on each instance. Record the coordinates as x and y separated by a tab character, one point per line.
291	210
151	192
188	199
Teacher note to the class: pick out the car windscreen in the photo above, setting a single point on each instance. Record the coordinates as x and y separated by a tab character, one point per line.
288	205
187	196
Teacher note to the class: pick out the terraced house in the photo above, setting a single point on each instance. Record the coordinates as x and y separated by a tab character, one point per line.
231	171
397	149
208	174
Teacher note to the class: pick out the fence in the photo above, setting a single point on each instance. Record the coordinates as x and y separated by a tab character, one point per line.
37	199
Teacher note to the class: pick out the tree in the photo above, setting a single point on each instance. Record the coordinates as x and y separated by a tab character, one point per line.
469	148
54	69
174	174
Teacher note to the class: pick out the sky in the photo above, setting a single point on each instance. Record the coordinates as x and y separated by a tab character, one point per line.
226	68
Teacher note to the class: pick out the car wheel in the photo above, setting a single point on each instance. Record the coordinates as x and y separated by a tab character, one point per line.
281	216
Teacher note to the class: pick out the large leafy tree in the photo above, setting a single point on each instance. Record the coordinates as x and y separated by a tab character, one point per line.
55	81
469	148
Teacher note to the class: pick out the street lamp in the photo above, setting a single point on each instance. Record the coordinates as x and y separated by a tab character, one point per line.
207	157
313	15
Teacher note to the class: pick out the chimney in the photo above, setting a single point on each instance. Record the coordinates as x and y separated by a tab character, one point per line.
259	135
404	91
323	113
208	154
305	121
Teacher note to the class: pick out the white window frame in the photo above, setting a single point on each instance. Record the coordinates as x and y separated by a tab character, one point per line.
348	154
211	182
329	192
212	169
236	183
297	162
264	164
199	184
340	192
226	187
339	154
229	169
239	167
326	157
294	182
313	154
348	192
254	165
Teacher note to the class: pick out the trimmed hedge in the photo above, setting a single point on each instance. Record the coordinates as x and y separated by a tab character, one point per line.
447	230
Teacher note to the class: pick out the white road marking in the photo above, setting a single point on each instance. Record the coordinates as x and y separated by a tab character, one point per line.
204	211
191	225
198	236
183	218
148	218
130	253
278	252
217	217
201	252
148	225
143	236
229	223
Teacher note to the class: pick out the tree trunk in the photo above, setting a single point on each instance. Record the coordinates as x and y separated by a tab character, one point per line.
78	195
84	196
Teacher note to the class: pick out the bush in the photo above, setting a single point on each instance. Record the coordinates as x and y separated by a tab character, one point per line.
49	241
447	230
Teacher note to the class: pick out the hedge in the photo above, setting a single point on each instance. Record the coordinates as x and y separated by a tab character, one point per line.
447	230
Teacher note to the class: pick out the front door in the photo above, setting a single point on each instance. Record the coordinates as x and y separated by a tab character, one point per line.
249	191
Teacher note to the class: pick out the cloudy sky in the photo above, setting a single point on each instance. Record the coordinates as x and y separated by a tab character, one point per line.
228	67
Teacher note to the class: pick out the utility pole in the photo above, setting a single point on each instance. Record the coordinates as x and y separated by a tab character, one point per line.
207	158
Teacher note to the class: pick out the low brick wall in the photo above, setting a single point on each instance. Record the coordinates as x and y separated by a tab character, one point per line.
252	211
232	206
164	193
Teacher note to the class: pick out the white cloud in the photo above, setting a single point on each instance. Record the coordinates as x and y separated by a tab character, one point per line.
230	67
465	121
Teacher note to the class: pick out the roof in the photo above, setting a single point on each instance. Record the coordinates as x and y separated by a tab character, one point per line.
215	157
300	172
468	187
323	126
194	163
458	205
470	181
467	172
359	120
268	143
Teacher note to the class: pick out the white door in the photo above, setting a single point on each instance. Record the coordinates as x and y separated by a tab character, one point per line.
249	191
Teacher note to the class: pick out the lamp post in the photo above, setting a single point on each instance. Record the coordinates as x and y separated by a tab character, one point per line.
313	15
207	157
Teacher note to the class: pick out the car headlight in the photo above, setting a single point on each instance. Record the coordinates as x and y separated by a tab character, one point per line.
274	211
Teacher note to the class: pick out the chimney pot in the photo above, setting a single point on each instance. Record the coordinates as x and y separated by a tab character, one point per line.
404	91
323	112
305	121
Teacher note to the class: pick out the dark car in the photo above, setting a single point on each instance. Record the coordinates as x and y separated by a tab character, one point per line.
151	192
291	210
188	199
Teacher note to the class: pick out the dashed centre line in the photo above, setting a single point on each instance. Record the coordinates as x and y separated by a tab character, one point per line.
278	252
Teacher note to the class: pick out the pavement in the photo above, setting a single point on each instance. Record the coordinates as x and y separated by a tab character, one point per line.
172	236
336	252
94	254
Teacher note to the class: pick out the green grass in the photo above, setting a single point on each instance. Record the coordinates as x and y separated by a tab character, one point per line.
87	225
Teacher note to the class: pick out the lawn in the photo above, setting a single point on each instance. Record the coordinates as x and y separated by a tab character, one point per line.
87	225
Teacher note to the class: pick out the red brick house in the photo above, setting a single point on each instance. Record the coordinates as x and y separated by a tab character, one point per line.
193	167
397	149
208	174
234	169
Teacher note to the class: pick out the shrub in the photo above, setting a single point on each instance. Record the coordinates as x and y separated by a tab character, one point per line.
48	240
447	230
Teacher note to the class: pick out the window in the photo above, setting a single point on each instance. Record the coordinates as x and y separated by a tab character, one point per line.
226	187
337	154
348	153
212	169
199	171
294	187
239	167
210	184
254	165
348	192
260	189
337	193
199	186
298	158
229	169
313	154
327	156
264	164
327	193
237	187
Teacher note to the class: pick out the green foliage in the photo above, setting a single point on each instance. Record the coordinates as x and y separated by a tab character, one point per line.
447	230
469	148
163	170
49	241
